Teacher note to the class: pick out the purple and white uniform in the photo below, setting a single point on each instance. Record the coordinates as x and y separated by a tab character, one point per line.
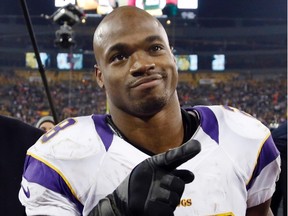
81	160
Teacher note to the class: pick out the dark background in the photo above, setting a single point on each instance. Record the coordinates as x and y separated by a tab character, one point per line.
206	8
247	31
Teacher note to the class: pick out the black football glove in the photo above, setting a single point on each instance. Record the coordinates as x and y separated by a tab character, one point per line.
153	188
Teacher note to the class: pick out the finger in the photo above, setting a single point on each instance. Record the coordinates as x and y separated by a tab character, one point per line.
173	158
186	175
170	186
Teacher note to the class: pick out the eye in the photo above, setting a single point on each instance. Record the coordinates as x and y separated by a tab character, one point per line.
156	48
118	57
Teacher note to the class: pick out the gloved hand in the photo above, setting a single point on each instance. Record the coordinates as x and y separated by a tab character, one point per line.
153	188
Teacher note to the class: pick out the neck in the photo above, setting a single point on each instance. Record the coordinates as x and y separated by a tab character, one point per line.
156	134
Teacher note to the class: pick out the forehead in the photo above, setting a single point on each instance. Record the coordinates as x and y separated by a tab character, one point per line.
127	27
127	18
132	28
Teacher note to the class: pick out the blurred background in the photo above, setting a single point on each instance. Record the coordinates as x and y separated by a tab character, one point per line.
228	52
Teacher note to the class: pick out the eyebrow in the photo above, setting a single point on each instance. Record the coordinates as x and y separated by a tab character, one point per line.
153	38
123	46
118	46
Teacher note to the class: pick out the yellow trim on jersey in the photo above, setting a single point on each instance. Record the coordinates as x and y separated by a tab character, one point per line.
259	151
56	170
223	214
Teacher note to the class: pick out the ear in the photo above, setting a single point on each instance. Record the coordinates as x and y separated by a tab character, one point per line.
99	76
175	62
172	51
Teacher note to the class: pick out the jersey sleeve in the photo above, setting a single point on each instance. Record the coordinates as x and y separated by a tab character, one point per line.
57	172
250	147
39	200
262	183
254	153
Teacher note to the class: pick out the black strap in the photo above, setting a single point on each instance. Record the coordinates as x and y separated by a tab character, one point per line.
190	123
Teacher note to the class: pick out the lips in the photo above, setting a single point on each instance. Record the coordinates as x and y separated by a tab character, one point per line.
146	79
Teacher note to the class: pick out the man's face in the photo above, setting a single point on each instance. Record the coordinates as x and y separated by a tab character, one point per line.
135	64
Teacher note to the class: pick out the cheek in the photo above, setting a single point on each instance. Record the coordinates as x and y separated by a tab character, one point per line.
174	76
114	86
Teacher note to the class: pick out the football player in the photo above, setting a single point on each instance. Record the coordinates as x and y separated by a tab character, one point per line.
140	158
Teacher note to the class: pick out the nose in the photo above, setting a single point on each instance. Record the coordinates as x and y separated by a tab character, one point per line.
141	65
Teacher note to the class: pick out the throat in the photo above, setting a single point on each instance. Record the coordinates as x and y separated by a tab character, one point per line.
117	131
152	145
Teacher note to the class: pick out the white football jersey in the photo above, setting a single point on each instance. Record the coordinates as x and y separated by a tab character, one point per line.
82	160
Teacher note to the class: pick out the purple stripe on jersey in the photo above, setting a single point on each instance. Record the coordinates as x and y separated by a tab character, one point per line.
38	172
268	153
208	122
104	131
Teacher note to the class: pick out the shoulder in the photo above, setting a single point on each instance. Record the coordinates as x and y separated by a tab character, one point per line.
239	135
76	137
230	120
248	145
68	155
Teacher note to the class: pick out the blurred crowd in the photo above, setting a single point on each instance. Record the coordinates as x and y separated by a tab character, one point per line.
26	99
265	98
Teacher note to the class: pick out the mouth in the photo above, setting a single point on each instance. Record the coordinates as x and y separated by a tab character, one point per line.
147	81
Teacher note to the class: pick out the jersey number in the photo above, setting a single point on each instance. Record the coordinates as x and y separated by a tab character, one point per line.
61	126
